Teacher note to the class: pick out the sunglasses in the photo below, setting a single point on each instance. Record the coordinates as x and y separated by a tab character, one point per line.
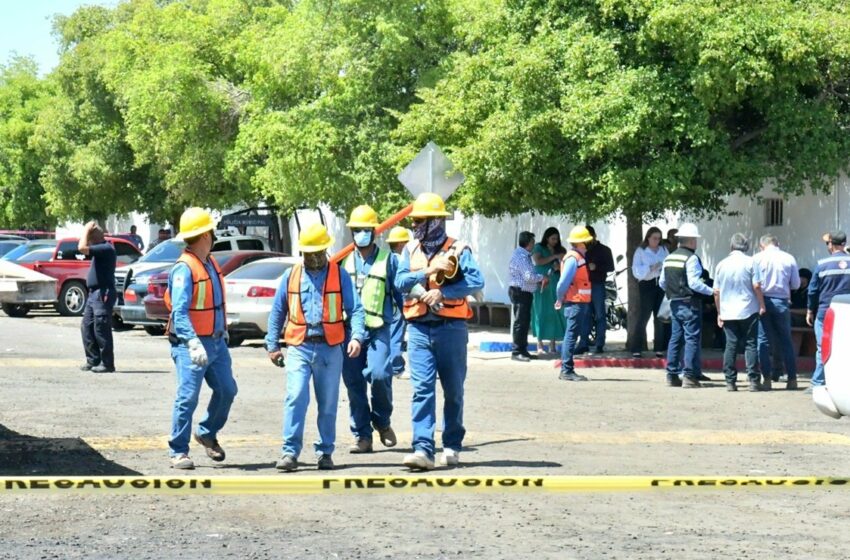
358	230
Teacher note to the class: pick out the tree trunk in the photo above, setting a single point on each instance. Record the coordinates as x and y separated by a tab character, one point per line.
634	236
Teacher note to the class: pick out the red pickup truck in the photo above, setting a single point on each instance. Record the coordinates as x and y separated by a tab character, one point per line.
70	268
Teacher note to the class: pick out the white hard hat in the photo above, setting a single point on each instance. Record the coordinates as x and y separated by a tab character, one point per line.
688	230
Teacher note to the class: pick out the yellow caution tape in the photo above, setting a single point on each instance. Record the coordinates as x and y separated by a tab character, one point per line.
296	484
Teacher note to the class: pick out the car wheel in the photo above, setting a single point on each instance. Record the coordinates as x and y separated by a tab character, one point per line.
235	340
118	324
154	330
72	299
16	309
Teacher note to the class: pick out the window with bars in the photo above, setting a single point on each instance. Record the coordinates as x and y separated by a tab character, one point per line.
773	212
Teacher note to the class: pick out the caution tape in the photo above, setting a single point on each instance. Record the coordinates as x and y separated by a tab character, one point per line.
295	484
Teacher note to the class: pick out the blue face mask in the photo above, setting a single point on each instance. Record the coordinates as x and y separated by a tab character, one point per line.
363	238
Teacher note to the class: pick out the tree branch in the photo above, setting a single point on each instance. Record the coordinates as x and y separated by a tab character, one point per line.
749	136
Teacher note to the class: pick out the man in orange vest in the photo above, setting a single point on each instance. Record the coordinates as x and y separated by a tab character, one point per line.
573	295
197	330
318	303
437	275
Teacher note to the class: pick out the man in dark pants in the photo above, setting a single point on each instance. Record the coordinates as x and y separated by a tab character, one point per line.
97	317
600	261
523	283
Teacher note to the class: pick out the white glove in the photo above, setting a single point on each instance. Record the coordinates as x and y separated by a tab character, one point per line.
197	353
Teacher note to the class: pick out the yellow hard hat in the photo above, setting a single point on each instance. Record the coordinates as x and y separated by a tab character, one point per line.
314	238
399	235
194	222
579	234
428	205
363	217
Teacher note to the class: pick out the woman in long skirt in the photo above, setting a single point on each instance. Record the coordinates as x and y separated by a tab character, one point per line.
546	322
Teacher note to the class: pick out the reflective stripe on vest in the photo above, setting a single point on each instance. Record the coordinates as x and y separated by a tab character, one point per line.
373	293
202	305
579	290
453	308
332	317
676	260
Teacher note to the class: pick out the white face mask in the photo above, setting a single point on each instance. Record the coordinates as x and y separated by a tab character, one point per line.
363	238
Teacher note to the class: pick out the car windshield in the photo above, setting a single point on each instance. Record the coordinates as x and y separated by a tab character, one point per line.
167	251
37	255
20	250
260	270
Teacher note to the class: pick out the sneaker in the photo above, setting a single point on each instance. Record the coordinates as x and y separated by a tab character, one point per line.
419	461
450	457
102	369
572	376
86	367
791	385
182	461
362	445
690	383
755	386
809	390
767	384
211	446
731	386
520	358
387	436
286	463
674	381
325	463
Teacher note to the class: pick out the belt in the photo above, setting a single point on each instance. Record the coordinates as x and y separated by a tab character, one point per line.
316	339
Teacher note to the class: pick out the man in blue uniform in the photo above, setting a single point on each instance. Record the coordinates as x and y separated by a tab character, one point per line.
97	316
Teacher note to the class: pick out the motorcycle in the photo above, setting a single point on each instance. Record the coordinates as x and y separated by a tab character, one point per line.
616	309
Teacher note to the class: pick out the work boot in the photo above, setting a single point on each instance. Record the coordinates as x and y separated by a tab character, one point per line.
791	385
766	384
450	457
102	369
211	446
86	367
731	386
755	386
674	381
182	462
325	462
703	377
690	383
287	463
387	436
571	376
418	461
362	445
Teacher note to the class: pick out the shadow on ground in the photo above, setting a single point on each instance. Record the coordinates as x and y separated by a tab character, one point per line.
23	455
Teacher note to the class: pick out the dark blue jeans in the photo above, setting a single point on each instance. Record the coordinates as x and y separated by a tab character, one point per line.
687	331
576	315
597	302
742	332
96	328
775	333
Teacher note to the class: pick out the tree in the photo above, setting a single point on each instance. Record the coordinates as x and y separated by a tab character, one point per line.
597	107
22	97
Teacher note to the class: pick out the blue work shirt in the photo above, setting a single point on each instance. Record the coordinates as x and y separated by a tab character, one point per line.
312	285
830	278
472	281
568	272
362	268
180	286
102	270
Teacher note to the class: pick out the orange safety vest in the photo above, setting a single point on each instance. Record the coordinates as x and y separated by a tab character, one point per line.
202	306
453	308
579	291
332	317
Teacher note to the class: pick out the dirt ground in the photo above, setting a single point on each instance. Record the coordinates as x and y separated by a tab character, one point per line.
521	421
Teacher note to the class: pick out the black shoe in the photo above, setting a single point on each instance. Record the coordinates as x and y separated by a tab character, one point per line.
674	381
691	383
86	367
520	358
660	355
102	369
529	356
731	386
755	386
703	377
287	463
767	384
579	351
326	463
571	377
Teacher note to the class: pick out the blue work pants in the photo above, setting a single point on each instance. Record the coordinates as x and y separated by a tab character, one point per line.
323	364
218	374
397	331
775	333
372	367
437	349
687	331
597	303
576	316
818	376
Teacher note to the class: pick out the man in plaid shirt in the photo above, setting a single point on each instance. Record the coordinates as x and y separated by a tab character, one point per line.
523	283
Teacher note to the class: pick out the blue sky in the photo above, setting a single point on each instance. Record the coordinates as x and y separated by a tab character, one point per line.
25	28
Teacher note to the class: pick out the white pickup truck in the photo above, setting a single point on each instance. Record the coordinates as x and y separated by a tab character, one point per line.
833	398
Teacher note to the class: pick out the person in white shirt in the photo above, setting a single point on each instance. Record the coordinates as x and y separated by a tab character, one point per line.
646	268
739	300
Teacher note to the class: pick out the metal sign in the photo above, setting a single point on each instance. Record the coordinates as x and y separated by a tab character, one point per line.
431	171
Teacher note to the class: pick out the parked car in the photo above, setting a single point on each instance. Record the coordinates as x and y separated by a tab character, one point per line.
150	297
7	245
24	248
250	294
69	267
